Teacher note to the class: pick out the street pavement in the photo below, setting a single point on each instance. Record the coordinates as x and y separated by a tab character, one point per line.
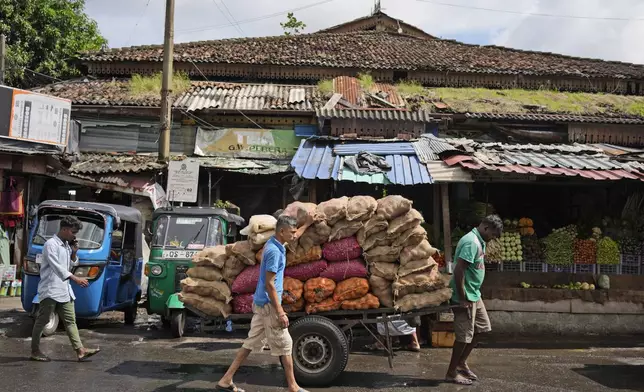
145	358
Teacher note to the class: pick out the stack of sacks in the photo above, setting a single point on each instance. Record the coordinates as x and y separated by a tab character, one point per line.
205	288
259	230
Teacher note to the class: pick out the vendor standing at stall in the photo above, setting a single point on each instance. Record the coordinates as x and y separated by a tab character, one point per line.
470	317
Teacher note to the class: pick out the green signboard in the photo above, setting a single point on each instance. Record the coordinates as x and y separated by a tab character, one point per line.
247	143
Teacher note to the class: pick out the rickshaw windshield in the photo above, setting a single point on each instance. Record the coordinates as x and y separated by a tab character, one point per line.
89	237
191	233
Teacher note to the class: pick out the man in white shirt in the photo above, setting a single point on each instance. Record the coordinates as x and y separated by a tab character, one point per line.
54	290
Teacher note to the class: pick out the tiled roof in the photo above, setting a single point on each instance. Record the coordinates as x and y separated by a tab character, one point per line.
554	118
375	51
115	163
202	95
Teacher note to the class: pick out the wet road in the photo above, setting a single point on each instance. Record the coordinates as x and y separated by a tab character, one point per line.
142	358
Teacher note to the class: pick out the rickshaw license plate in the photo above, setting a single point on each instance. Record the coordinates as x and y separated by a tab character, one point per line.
178	254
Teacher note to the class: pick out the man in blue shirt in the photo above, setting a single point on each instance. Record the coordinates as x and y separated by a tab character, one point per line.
269	322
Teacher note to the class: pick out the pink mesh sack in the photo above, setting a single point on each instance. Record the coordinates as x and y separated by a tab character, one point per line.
342	250
306	271
246	282
343	270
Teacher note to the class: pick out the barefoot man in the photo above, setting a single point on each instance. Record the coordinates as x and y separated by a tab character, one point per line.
269	322
470	318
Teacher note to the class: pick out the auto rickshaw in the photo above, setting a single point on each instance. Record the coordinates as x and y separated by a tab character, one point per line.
109	257
179	233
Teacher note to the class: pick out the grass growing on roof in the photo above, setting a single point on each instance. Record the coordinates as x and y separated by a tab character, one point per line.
366	81
410	88
326	86
151	85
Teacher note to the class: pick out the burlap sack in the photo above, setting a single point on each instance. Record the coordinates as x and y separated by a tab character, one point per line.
371	227
403	223
214	256
384	270
302	212
417	252
217	290
382	254
212	274
243	250
232	269
378	239
315	235
259	224
361	208
344	229
416	267
425	300
301	256
391	207
257	240
418	283
209	306
381	288
411	237
335	210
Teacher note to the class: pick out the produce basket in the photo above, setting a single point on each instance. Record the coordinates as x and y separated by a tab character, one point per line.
530	266
560	268
631	264
585	268
585	252
609	269
511	266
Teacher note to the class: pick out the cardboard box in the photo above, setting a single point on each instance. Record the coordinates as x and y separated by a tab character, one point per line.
443	339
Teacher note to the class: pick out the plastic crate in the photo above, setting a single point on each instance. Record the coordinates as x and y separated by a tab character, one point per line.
630	270
493	266
535	267
511	266
631	265
609	269
585	268
630	260
560	268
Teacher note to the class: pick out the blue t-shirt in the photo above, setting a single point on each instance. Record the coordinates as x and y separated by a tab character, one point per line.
273	260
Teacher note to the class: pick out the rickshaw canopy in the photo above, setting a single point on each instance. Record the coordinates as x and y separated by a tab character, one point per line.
199	211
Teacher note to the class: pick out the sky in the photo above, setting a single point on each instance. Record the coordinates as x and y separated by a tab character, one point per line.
616	33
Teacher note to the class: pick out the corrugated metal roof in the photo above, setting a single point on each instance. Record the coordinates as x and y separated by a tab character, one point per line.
316	160
554	118
377	114
428	148
442	173
246	166
115	163
402	148
353	92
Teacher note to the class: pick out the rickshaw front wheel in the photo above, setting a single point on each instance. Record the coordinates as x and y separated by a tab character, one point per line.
52	325
178	323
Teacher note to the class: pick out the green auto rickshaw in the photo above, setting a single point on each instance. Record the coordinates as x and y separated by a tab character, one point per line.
178	234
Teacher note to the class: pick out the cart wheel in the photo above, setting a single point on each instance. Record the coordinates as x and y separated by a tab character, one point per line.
178	323
348	334
320	351
130	314
52	324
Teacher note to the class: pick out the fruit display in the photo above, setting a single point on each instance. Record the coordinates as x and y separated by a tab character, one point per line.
585	251
510	225
559	246
511	247
607	252
532	249
494	251
630	246
526	227
571	286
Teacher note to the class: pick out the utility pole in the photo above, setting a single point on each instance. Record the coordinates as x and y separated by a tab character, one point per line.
3	53
166	88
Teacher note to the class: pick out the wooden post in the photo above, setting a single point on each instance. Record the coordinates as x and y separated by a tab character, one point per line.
436	214
447	231
313	192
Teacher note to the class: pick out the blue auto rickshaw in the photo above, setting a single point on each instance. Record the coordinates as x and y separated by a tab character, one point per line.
110	257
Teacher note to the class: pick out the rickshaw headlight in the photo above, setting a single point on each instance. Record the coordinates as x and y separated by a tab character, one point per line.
156	270
31	267
87	272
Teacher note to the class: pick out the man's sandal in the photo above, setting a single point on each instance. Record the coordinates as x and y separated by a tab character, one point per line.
459	380
231	388
90	352
40	358
467	373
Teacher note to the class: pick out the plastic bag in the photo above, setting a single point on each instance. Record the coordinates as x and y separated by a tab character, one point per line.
326	305
302	256
243	304
403	223
247	280
259	224
417	267
215	256
361	208
382	254
421	251
293	290
352	288
381	288
334	210
304	272
318	289
393	206
212	274
425	300
384	270
369	301
341	270
218	290
344	229
342	250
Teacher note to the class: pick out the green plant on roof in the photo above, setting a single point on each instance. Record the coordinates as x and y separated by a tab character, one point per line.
151	85
326	87
366	81
410	88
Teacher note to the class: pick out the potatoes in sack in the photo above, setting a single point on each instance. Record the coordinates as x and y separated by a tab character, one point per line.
243	304
411	237
296	307
378	239
403	223
342	250
218	290
303	212
369	301
316	235
416	252
371	227
215	256
302	256
259	224
382	254
384	270
293	290
425	300
212	274
393	206
246	281
325	306
381	288
418	283
344	229
232	269
417	267
361	208
318	289
352	288
257	240
334	210
243	250
209	306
